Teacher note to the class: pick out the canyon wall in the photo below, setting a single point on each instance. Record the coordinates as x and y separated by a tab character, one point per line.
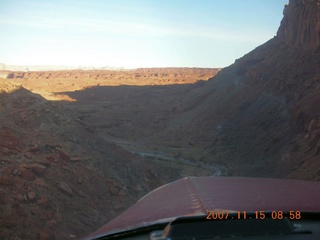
300	26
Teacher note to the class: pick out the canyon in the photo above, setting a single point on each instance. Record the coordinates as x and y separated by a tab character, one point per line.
80	146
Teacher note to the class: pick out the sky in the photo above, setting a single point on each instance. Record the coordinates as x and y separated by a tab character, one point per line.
134	33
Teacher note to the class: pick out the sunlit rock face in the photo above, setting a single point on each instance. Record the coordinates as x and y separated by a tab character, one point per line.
300	26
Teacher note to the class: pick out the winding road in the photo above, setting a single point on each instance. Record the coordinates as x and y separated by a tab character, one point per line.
217	170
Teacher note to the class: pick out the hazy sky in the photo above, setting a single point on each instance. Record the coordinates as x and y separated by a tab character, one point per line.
134	33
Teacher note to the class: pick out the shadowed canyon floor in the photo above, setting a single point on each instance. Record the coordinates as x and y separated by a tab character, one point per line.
124	107
64	170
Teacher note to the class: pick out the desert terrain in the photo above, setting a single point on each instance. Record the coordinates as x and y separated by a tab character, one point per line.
126	108
64	170
80	146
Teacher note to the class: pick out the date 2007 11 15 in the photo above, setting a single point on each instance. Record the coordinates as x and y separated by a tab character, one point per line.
225	214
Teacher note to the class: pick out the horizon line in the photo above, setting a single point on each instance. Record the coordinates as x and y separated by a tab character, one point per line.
32	68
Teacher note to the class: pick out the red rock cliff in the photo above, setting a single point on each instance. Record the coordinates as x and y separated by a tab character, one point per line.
300	26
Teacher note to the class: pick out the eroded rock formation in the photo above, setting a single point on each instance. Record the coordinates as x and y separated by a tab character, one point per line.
300	26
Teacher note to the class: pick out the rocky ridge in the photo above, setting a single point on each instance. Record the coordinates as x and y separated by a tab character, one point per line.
260	116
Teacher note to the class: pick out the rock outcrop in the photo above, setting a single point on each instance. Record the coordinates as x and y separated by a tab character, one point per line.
259	116
300	26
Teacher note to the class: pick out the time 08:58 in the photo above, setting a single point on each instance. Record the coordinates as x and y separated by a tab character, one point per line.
292	215
224	214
